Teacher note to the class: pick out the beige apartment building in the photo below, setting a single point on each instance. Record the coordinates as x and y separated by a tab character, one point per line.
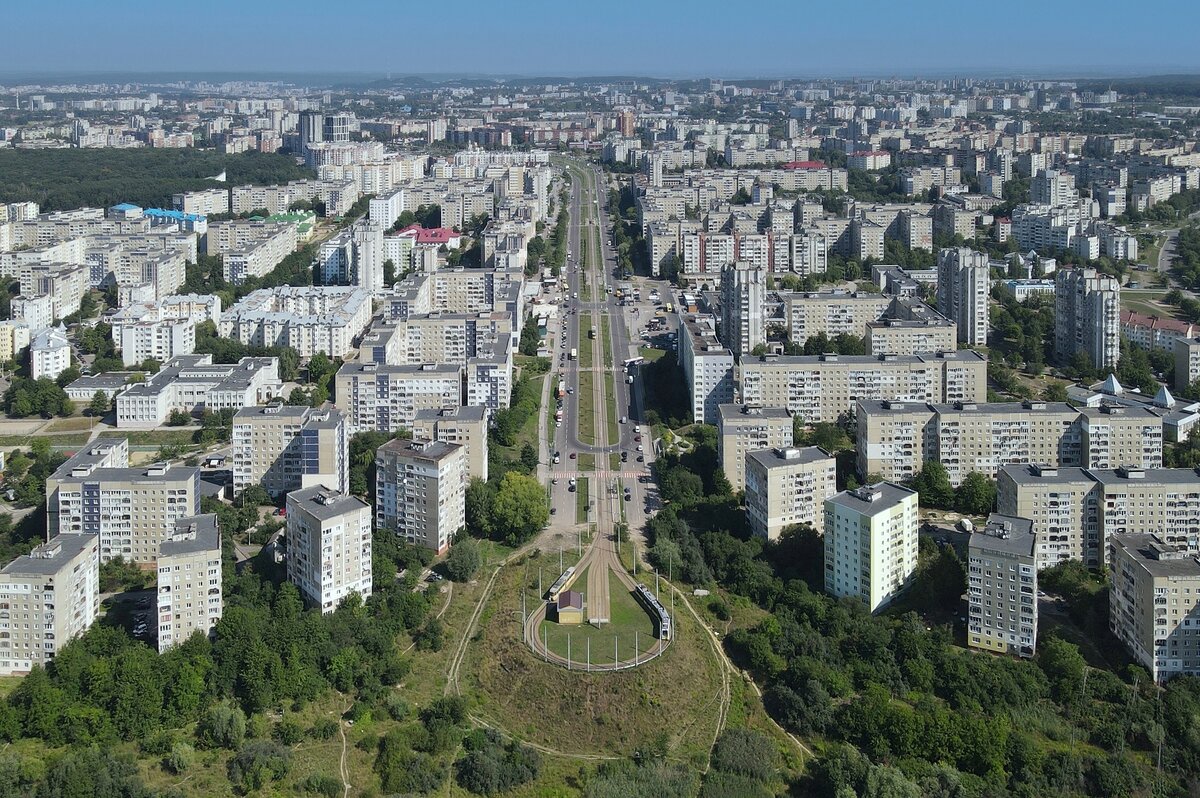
189	580
1002	587
1076	511
870	543
1120	435
329	546
911	336
831	312
1154	604
747	428
824	387
287	447
388	398
465	426
788	486
130	510
1187	362
894	438
47	598
420	491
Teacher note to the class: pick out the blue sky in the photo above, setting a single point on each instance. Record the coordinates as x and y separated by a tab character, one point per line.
731	38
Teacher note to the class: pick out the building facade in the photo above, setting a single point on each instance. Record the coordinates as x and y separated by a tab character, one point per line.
788	486
189	580
870	543
420	492
1002	587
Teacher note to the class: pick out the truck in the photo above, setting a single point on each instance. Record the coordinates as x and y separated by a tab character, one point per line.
562	388
574	354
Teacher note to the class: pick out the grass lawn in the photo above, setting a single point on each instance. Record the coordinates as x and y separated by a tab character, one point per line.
603	713
581	500
72	424
614	461
610	398
649	354
586	356
587	462
154	437
608	355
1149	303
65	439
528	432
587	408
629	624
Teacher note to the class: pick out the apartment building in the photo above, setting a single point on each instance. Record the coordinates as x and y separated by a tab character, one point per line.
329	546
47	598
895	438
964	283
1187	362
286	447
204	203
831	312
155	340
870	543
1153	604
49	353
788	486
707	367
908	327
1087	316
1002	586
420	492
822	388
748	428
464	426
310	319
743	293
191	384
189	580
250	249
1115	435
130	509
388	398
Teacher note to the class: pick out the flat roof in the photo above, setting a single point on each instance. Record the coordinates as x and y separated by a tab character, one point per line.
1156	557
191	535
420	449
871	499
735	412
48	558
791	455
1006	534
323	503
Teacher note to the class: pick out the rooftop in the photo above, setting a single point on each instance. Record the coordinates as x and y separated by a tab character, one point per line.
1005	534
191	535
322	503
871	499
48	558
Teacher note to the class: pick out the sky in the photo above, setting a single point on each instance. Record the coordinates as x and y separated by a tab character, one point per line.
653	38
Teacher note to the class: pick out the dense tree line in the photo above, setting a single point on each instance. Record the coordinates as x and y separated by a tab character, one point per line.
904	710
72	178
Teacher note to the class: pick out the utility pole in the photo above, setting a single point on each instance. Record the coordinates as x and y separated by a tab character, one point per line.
635	647
656	595
568	651
589	655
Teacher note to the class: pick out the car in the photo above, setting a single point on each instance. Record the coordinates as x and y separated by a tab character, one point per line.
639	448
553	511
637	438
628	489
280	511
554	481
628	497
570	390
641	459
624	457
638	429
572	455
624	419
557	460
571	488
558	423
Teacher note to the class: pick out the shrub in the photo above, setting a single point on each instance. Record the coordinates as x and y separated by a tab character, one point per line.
222	726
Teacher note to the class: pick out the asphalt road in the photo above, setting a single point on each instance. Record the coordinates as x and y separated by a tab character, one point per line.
628	398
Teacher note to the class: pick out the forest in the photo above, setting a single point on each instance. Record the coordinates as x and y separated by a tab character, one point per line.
73	178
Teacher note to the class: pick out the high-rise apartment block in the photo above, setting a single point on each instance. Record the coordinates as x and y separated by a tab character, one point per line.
707	368
329	546
189	580
420	491
287	447
822	388
962	292
870	543
1154	604
1002	586
1076	511
748	428
131	510
47	598
788	486
465	426
1087	316
389	398
743	294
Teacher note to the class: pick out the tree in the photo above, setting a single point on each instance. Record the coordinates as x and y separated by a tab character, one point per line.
480	495
389	272
222	726
1055	392
520	508
933	485
99	405
529	458
464	560
976	495
320	367
179	418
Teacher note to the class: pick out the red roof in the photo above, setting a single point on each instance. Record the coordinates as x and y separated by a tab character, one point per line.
804	165
864	153
430	235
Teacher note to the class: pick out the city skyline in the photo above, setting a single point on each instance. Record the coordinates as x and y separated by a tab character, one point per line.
667	40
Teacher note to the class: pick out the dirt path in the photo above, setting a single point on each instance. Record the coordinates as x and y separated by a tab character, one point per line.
342	766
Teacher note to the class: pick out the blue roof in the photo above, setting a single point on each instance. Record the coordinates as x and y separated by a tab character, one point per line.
125	206
178	216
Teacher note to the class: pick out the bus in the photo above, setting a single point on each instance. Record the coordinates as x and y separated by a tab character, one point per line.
670	308
574	354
